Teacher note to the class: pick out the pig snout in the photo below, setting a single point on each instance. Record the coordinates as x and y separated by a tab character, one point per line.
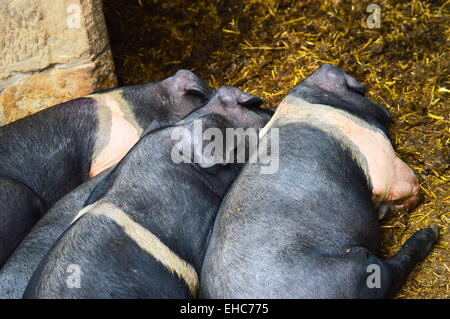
333	86
335	80
233	97
239	108
187	82
243	109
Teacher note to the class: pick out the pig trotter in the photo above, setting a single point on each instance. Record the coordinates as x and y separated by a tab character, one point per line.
413	251
416	248
385	211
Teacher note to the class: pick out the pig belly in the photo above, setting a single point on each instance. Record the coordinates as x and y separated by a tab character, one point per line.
116	136
392	181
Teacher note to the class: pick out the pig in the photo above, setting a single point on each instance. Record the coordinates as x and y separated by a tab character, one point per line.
18	269
310	229
20	266
46	155
143	231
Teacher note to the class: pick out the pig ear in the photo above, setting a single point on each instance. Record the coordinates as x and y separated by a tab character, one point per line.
354	85
249	100
194	152
219	123
197	90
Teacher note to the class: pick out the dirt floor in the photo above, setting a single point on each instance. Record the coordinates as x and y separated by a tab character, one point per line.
267	46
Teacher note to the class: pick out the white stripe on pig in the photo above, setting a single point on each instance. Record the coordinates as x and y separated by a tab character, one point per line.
147	241
391	179
118	131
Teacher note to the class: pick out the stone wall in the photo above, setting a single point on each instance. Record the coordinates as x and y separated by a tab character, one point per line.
51	52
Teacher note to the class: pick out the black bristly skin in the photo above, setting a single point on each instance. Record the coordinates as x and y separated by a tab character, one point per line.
176	202
310	229
18	269
49	153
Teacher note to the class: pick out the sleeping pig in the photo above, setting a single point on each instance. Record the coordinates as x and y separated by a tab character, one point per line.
45	155
143	232
310	229
20	266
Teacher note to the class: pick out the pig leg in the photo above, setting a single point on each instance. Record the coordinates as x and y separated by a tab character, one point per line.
384	211
387	208
394	270
413	251
20	210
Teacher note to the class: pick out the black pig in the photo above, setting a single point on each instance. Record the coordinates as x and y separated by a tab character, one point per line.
310	229
143	233
45	155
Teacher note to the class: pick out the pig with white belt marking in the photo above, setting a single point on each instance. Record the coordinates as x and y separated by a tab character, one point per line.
46	155
143	233
311	229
